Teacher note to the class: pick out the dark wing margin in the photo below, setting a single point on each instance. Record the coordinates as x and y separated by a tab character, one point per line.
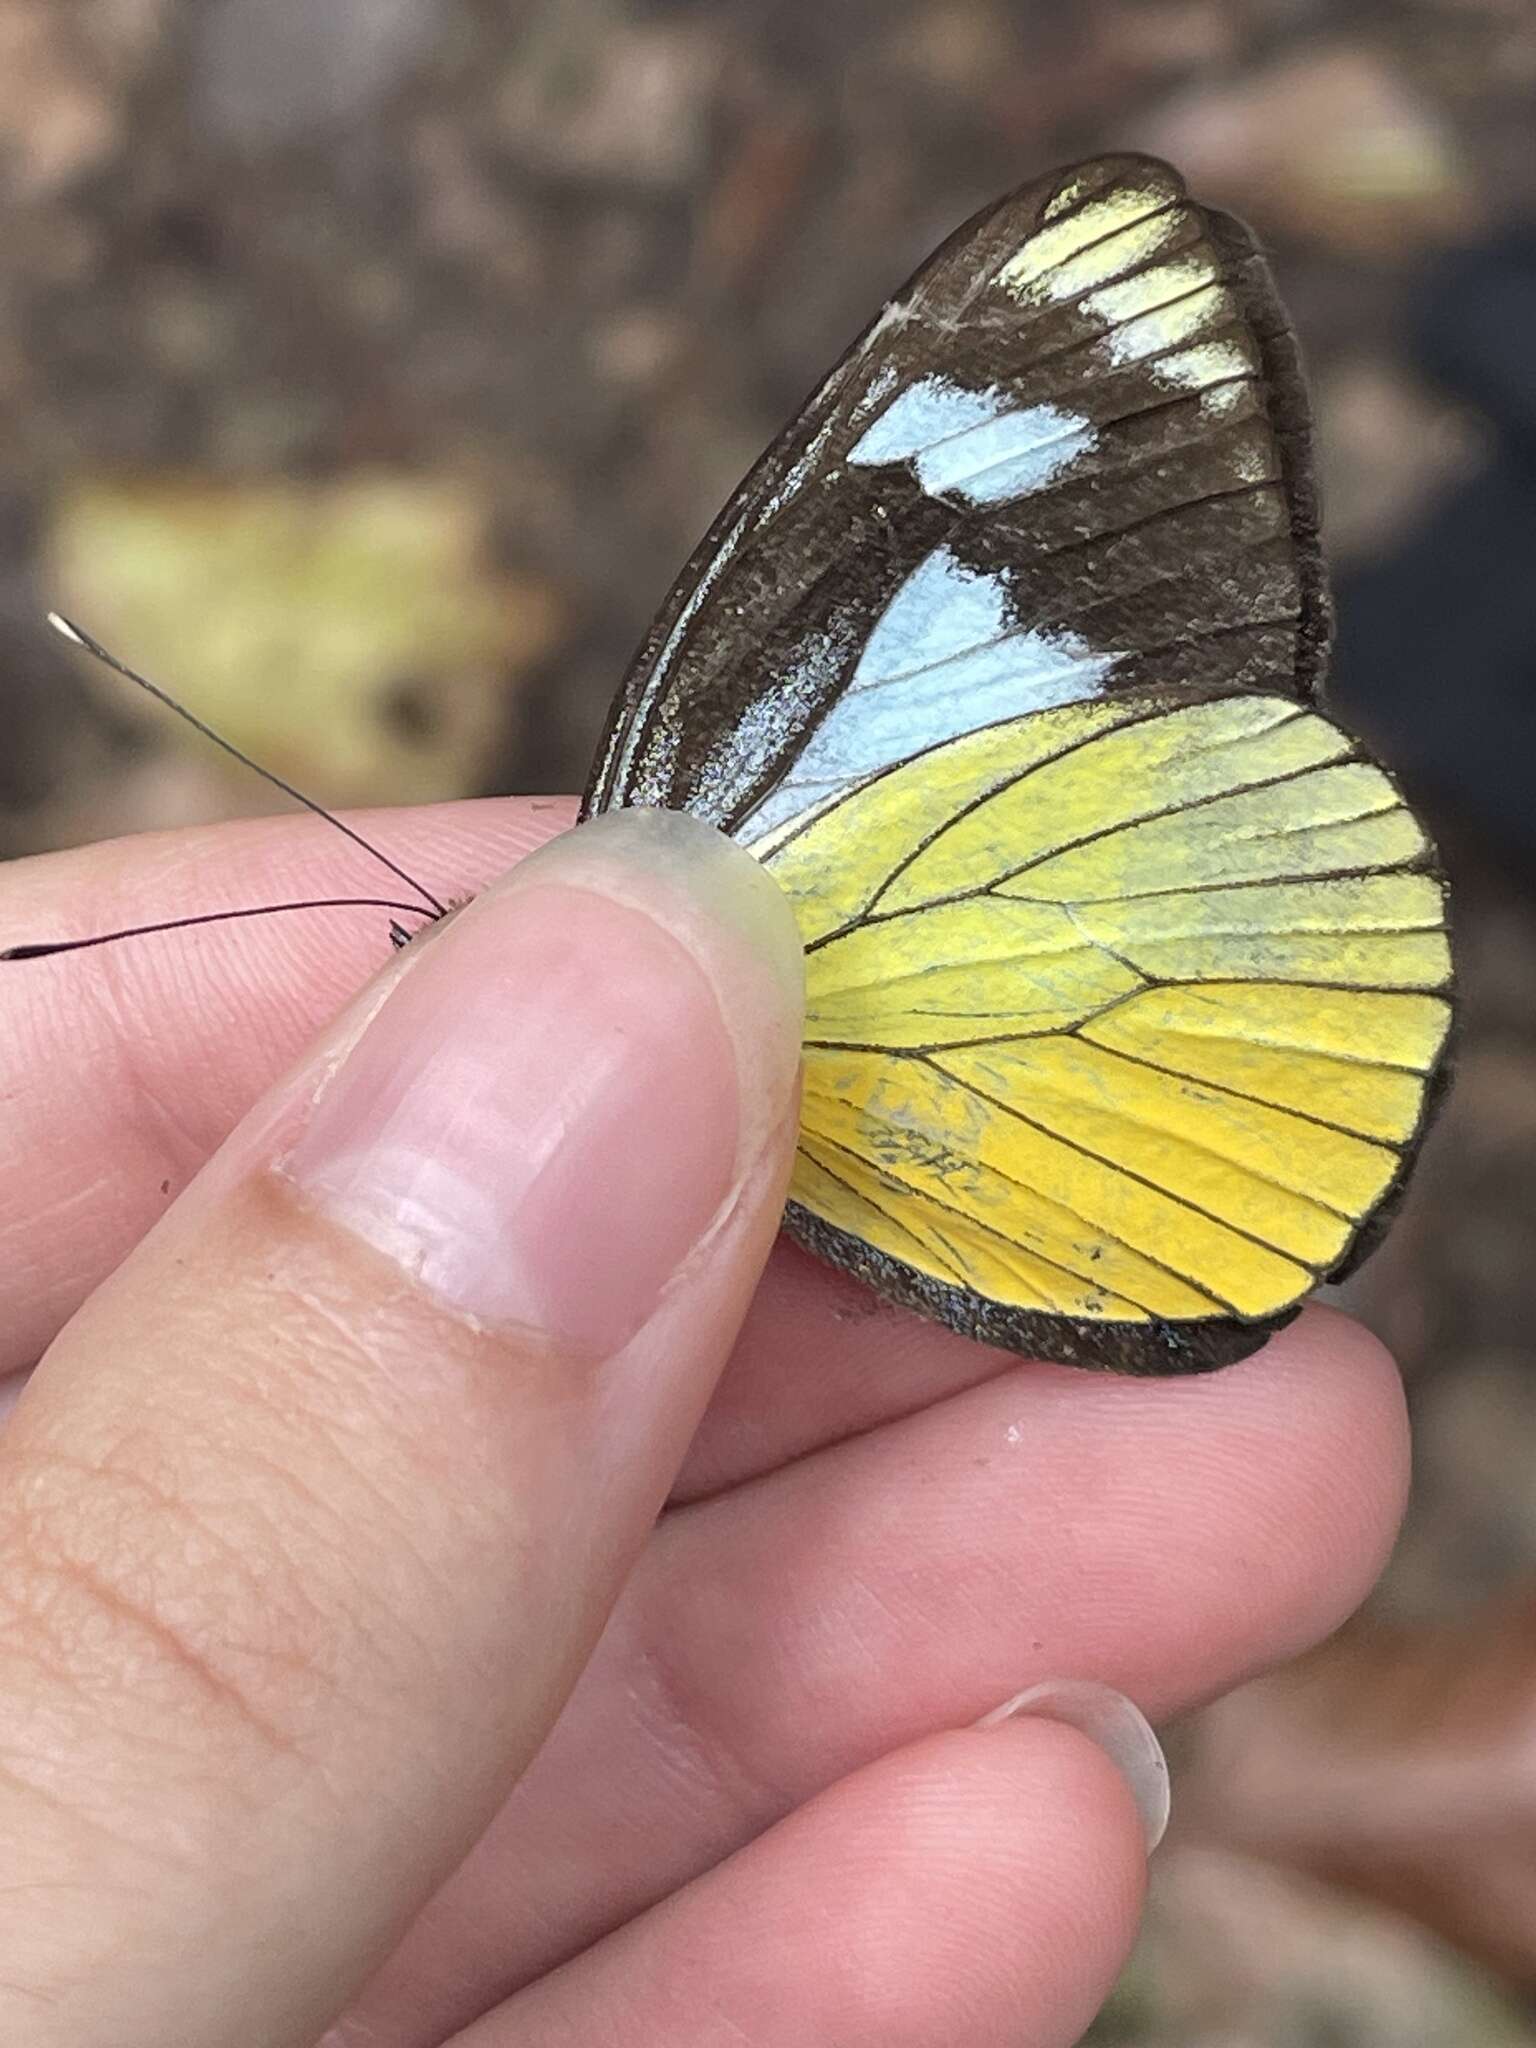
1173	541
1152	1350
1290	415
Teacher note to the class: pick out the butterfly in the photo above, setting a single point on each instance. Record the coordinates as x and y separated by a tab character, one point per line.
1128	979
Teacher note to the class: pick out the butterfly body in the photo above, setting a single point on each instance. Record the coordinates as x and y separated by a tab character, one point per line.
1126	968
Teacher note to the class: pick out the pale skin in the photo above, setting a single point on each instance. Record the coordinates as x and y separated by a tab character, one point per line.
329	1484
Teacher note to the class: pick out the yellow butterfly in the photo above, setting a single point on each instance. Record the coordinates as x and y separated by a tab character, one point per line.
1128	977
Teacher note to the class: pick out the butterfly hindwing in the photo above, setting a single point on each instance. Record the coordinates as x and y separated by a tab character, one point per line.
1127	969
1131	1038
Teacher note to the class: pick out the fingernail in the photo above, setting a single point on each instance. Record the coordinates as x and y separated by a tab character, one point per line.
1116	1724
549	1109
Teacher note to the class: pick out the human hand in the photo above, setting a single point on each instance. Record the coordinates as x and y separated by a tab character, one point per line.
341	1454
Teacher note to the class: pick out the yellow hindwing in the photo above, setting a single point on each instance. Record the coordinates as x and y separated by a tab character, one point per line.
1120	1010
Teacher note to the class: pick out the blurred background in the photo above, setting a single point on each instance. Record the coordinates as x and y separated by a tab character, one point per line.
368	369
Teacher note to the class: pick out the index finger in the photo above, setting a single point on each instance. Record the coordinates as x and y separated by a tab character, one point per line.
123	1069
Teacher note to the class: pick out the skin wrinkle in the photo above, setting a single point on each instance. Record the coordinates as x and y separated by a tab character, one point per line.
174	1152
80	1818
376	1356
38	1997
743	1449
315	1658
352	2033
168	1509
315	1655
311	1650
292	1487
128	1617
715	2011
175	1149
670	1720
675	1724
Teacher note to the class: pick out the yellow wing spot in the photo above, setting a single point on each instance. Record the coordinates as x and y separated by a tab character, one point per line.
837	1186
1255	463
1102	240
934	1238
1208	362
929	1139
1064	198
1152	333
1355	960
1150	289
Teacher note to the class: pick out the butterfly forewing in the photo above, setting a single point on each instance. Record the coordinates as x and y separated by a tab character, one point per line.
1127	970
1056	462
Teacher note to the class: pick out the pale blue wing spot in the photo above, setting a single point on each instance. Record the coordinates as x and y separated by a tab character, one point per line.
945	659
1000	480
976	444
924	412
942	613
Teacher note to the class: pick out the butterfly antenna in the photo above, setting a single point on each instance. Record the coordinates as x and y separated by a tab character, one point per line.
399	936
80	638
